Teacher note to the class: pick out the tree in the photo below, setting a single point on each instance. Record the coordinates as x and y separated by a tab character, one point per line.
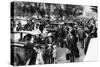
74	10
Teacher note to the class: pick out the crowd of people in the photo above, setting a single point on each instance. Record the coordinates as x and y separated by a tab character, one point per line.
57	43
57	33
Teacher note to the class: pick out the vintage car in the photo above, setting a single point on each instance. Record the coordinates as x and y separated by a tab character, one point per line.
19	54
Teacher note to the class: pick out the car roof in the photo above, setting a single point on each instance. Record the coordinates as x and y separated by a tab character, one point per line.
26	32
